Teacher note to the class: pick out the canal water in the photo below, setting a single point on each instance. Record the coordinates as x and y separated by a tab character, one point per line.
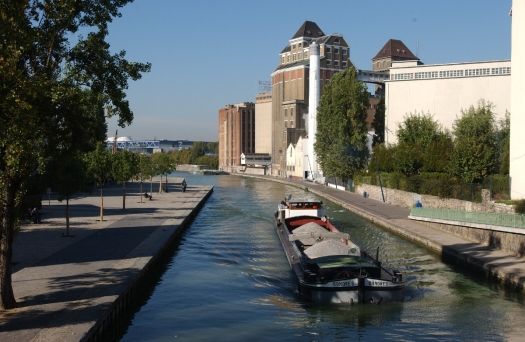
229	280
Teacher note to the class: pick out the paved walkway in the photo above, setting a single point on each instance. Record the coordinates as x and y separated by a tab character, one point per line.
64	285
498	264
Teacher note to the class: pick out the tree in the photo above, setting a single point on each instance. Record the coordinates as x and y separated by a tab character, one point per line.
198	149
53	83
145	170
98	164
341	140
382	158
379	123
422	145
67	177
503	144
475	151
163	165
124	167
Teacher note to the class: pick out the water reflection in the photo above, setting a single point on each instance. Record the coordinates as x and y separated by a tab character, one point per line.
230	281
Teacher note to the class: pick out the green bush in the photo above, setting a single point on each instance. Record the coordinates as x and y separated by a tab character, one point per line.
519	207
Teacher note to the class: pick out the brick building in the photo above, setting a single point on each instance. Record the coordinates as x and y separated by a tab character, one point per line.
236	134
290	85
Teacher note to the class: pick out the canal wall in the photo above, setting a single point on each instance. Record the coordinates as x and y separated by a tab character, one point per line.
503	238
109	326
408	200
508	239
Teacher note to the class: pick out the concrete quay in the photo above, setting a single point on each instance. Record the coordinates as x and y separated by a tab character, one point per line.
80	287
499	265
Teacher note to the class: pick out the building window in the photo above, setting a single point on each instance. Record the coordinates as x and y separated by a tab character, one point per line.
327	49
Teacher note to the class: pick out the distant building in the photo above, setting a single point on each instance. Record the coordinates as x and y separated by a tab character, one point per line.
236	134
263	123
290	85
443	90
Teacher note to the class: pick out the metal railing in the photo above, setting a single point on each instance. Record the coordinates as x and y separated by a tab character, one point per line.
488	218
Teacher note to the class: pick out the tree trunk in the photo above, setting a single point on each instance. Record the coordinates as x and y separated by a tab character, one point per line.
67	215
150	185
124	195
140	193
166	183
160	184
8	219
101	204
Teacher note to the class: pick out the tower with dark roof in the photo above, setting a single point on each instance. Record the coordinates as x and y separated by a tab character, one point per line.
394	50
290	85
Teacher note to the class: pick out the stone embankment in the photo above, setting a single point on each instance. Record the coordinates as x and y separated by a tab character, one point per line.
80	287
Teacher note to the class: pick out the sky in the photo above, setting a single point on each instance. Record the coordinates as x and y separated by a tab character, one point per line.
209	53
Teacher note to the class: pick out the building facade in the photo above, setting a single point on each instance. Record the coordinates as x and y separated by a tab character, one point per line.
290	85
236	134
517	112
263	123
443	91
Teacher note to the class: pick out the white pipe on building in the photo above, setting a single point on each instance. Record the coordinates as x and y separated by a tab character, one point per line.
313	102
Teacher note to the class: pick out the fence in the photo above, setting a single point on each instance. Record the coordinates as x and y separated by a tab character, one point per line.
488	218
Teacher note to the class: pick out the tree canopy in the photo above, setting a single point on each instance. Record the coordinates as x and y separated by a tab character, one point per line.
475	144
56	86
341	140
422	146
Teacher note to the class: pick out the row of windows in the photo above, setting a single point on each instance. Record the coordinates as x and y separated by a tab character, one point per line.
336	63
336	50
292	57
450	73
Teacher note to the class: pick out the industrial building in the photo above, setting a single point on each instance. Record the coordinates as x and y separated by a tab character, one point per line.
443	90
236	134
290	85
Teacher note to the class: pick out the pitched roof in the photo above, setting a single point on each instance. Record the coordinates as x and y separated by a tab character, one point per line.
396	50
308	29
332	39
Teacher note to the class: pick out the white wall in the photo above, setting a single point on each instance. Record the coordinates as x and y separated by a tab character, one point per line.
444	98
517	120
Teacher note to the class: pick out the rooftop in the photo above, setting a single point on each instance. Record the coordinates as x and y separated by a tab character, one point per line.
395	49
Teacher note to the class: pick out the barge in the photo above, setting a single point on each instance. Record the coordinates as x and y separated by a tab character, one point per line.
329	267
